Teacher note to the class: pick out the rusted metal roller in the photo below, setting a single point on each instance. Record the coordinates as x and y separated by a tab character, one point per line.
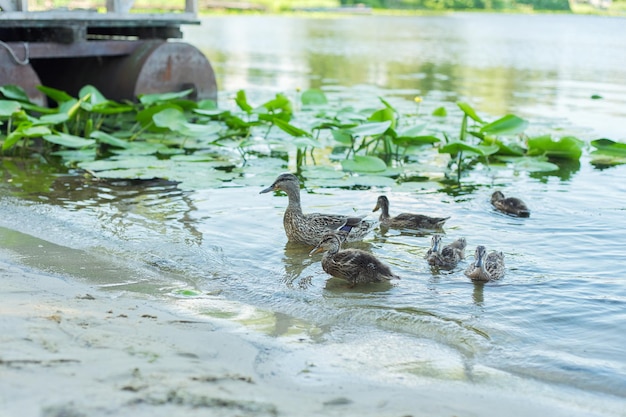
16	69
155	66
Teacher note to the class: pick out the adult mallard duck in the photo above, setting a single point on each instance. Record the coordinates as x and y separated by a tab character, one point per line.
309	228
354	265
448	256
406	220
510	205
486	267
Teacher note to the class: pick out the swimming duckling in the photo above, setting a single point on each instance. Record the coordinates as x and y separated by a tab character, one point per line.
406	220
486	267
448	256
309	228
354	265
510	205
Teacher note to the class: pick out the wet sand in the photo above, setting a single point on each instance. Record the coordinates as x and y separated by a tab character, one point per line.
70	349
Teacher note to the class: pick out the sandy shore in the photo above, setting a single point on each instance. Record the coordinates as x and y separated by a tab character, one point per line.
69	349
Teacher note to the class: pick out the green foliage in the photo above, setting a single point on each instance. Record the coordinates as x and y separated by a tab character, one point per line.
165	135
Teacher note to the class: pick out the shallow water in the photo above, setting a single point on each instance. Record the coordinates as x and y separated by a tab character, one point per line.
554	326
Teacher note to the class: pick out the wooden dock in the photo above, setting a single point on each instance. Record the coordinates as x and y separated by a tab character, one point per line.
122	54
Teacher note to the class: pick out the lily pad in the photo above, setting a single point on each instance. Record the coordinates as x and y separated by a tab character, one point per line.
454	147
69	141
370	129
469	111
567	147
8	107
507	125
314	97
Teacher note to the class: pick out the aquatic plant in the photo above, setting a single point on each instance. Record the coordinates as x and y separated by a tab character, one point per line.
165	135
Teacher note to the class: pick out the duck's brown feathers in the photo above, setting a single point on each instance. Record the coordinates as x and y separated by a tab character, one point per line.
354	265
509	205
447	257
309	228
486	267
406	220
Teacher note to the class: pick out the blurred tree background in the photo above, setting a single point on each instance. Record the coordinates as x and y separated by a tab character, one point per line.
584	6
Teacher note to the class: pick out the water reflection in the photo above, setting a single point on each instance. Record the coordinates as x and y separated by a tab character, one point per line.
534	65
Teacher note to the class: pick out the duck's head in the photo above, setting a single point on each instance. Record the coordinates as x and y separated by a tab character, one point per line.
497	196
284	182
330	242
435	241
382	203
479	256
462	243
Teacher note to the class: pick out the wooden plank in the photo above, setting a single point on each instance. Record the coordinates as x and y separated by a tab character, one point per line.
38	50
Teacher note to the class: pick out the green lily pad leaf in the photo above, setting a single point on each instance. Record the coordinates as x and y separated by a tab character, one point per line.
194	129
11	140
414	130
35	131
53	119
608	152
289	128
440	112
14	92
370	129
8	107
415	140
171	118
242	101
280	102
364	164
454	147
150	99
95	96
609	147
383	115
314	97
69	141
567	147
507	125
111	107
56	95
530	164
342	136
144	117
139	148
212	112
512	149
467	109
596	97
103	137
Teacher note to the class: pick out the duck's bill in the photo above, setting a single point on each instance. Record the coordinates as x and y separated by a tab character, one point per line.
267	190
316	250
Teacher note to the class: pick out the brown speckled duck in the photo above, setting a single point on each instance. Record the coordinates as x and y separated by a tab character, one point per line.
509	205
406	220
447	257
486	267
309	228
354	265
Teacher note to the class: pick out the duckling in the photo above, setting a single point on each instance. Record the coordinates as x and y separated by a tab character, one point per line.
510	205
486	267
353	265
406	220
309	228
448	256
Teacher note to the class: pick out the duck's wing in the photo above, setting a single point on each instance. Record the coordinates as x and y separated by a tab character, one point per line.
418	220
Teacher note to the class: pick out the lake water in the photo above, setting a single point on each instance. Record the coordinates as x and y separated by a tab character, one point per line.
553	328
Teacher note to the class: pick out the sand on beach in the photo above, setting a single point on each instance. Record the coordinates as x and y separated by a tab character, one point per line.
68	348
